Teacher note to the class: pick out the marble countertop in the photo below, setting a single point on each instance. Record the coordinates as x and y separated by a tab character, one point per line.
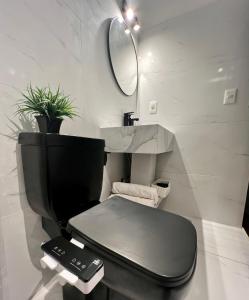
143	139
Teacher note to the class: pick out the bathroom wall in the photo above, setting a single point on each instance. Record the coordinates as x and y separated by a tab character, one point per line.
49	42
186	63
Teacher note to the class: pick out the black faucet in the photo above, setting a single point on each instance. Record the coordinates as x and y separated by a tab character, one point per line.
128	119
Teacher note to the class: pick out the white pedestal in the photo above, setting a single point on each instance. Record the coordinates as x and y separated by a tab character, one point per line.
143	168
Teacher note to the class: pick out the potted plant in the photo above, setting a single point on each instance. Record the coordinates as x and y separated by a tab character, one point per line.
48	107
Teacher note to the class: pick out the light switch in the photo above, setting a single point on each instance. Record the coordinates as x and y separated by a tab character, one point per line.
230	96
153	107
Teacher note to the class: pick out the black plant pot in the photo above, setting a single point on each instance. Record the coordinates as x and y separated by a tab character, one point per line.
47	125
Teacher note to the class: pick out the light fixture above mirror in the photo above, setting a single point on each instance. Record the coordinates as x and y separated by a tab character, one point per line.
130	17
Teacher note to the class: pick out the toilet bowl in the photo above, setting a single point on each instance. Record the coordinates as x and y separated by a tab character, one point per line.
146	252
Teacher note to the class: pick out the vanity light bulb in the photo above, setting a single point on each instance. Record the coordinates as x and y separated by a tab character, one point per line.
136	27
130	14
127	31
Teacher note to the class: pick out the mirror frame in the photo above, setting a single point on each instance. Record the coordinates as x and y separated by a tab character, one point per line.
110	58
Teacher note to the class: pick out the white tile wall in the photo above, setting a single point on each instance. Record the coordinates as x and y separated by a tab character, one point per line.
49	42
186	64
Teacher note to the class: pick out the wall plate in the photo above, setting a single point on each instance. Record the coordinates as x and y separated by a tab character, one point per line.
230	96
153	107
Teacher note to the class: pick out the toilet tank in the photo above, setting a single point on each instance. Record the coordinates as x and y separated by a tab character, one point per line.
62	174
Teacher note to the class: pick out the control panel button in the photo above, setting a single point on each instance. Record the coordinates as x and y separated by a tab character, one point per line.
81	262
96	262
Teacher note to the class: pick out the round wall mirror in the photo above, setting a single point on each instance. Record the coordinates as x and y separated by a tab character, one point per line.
123	57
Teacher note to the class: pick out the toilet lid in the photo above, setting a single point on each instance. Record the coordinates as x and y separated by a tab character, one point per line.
160	244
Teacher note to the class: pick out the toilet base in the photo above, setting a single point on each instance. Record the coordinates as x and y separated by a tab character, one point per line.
100	292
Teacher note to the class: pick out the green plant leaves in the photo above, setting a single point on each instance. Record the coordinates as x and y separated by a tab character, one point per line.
42	101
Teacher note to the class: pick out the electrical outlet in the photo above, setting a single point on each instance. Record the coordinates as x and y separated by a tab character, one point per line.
230	96
153	107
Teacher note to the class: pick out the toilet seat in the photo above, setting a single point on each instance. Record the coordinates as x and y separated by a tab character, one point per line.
151	245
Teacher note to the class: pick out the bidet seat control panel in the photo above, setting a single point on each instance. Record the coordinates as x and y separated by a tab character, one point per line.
81	262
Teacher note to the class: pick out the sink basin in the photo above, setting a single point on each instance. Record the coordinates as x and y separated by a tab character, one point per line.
144	139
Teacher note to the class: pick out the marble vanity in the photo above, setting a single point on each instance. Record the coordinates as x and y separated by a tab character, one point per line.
144	142
142	139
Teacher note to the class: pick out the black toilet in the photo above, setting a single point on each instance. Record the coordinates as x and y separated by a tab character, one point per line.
146	251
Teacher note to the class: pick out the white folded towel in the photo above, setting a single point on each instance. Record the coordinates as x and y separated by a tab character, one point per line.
144	201
136	190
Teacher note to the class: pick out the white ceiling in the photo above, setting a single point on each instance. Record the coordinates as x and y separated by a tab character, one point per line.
154	12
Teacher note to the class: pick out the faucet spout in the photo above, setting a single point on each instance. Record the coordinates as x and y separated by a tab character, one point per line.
128	119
